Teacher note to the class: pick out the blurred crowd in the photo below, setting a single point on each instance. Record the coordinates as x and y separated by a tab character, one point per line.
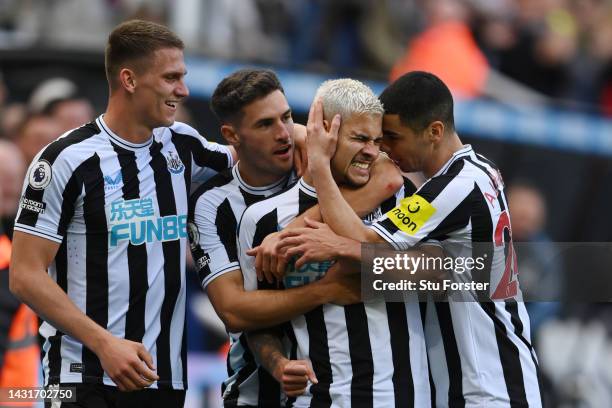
559	49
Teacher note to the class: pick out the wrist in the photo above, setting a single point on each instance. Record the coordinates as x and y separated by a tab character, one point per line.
278	366
325	291
349	249
98	340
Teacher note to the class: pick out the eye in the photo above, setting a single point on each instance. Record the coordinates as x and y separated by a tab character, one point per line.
265	123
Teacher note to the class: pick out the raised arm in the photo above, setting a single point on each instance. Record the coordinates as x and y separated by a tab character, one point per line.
385	180
336	212
29	281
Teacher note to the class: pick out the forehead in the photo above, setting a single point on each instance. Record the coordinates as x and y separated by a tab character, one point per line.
368	125
167	59
392	124
272	105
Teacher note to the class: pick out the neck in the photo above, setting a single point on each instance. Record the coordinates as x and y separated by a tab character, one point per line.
442	154
121	118
256	178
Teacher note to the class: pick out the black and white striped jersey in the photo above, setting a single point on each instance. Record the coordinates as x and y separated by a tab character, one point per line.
364	354
214	211
480	352
119	212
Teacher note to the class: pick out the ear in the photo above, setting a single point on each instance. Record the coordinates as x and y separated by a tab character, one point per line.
436	131
326	125
127	79
230	135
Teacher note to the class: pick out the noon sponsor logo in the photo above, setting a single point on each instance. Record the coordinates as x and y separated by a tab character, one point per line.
411	214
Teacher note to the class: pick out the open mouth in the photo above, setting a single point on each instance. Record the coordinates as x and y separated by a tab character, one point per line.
361	165
172	104
283	150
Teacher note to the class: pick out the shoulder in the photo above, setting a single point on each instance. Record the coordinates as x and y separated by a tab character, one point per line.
184	129
219	186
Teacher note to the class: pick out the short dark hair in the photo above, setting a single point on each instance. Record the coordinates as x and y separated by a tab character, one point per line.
419	98
241	88
134	40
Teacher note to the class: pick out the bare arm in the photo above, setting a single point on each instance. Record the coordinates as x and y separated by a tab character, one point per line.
293	375
29	281
235	306
336	212
385	180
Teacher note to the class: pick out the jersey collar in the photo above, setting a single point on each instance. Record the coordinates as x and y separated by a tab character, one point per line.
465	151
257	190
307	188
118	140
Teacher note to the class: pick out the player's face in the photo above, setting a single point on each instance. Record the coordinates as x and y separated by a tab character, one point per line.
266	134
160	87
409	149
358	147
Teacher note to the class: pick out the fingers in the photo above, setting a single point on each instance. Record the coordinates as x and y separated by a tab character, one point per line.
296	376
304	164
147	372
311	113
253	251
258	263
313	223
302	260
265	268
281	266
335	126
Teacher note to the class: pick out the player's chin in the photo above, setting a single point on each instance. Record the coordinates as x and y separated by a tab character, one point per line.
283	167
358	179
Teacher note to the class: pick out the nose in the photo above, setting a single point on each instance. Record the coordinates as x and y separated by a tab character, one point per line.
371	150
181	90
282	133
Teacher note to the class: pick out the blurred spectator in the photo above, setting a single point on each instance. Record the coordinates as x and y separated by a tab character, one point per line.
36	132
539	265
59	98
71	113
11	117
19	352
12	172
446	48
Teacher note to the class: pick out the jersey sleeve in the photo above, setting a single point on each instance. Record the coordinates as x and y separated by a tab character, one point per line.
436	208
214	251
208	158
48	199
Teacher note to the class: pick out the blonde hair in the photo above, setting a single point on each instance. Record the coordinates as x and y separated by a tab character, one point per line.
348	97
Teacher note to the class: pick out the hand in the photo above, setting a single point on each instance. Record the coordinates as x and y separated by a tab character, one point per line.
344	281
320	143
300	153
270	264
315	242
127	363
293	375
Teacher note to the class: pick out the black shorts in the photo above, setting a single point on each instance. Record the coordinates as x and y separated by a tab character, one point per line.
105	396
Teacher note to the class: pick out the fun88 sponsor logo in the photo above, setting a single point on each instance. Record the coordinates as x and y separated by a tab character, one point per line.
308	273
135	221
